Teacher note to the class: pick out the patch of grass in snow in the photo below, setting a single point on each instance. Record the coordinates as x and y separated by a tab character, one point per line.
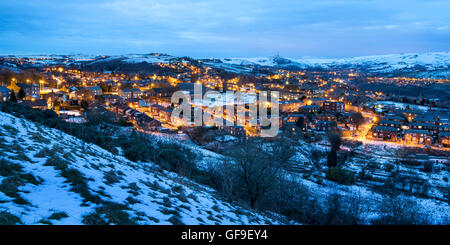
185	207
94	219
20	156
152	185
215	208
134	189
9	219
103	193
166	202
177	188
57	149
131	200
111	177
74	177
115	214
58	216
8	168
9	187
211	217
68	156
13	131
31	179
95	166
169	212
165	191
15	177
193	197
2	144
109	213
182	196
44	152
254	220
175	220
45	222
153	219
16	147
37	137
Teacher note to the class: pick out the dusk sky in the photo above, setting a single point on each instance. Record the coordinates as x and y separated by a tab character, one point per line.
231	28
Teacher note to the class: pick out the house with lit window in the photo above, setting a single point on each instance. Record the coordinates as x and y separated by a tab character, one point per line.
290	105
310	109
96	91
335	106
130	93
133	102
5	93
444	138
315	101
147	123
326	126
31	90
431	127
417	136
410	114
389	123
235	130
384	133
326	117
394	117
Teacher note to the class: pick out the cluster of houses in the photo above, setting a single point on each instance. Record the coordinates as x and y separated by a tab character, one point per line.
301	111
320	115
139	119
413	127
31	91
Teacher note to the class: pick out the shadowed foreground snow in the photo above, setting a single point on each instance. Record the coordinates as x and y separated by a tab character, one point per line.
48	177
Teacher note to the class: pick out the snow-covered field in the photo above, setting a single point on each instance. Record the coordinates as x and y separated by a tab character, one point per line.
48	177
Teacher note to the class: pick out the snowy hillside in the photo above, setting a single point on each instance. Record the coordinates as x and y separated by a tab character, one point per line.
48	177
382	63
427	65
139	58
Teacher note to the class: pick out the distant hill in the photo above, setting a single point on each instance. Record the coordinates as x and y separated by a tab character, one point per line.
435	65
423	65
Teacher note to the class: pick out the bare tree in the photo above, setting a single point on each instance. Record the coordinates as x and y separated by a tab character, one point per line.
357	118
401	210
282	150
255	170
335	140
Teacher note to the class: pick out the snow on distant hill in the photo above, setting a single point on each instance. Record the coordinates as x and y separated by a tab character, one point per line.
48	177
427	65
139	58
381	63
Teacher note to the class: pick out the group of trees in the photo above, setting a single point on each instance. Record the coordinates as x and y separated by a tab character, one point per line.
335	141
7	76
250	175
251	169
20	95
252	172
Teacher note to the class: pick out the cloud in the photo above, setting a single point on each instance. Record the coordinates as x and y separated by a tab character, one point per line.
225	28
